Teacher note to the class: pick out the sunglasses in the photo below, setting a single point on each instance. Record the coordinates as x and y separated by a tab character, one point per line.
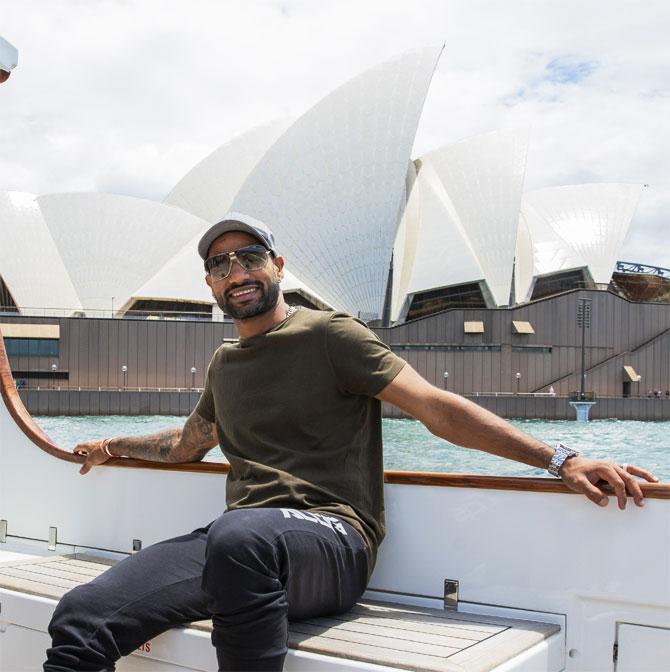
250	258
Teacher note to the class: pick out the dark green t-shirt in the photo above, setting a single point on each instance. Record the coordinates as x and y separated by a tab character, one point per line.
297	419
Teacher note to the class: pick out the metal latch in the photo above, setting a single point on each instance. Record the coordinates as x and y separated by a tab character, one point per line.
3	531
53	538
451	594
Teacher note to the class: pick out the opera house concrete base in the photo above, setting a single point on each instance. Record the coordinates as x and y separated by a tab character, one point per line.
558	408
182	402
110	402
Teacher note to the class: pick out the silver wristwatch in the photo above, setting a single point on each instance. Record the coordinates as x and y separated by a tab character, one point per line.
562	454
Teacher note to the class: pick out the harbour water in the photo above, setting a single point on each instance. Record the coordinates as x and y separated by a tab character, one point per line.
408	446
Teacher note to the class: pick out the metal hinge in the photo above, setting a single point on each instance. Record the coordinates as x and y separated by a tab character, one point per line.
3	531
451	594
615	652
53	538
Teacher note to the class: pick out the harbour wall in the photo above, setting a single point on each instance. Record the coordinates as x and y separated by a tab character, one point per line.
182	402
558	408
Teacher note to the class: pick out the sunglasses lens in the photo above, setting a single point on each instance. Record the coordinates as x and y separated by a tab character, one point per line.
252	258
219	266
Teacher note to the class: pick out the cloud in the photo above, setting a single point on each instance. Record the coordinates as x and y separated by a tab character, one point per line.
564	70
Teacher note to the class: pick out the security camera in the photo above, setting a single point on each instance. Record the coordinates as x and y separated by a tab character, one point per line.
9	58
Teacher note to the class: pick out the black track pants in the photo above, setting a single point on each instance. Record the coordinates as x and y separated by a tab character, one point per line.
250	571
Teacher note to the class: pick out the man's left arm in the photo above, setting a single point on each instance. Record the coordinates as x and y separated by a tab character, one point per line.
463	422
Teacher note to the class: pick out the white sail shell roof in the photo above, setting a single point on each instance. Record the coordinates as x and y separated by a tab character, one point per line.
208	189
30	262
523	261
182	277
550	252
112	244
580	225
406	242
444	256
332	186
483	177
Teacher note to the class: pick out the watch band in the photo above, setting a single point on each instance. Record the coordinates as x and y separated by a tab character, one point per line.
562	454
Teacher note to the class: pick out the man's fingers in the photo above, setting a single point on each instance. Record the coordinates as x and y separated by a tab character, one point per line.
613	475
595	494
94	454
623	484
642	473
632	486
614	478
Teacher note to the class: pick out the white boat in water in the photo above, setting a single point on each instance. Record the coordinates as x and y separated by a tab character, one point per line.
545	579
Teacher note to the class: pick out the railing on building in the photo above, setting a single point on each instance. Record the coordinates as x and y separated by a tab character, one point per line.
582	396
217	316
634	267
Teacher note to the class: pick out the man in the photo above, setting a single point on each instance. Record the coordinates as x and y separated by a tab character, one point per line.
295	407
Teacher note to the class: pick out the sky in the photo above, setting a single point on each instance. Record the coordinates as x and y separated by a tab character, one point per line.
126	96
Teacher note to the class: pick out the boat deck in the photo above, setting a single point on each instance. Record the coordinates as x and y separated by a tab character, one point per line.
381	633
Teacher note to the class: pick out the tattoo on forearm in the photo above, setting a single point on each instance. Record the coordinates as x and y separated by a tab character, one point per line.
197	437
165	445
189	444
154	447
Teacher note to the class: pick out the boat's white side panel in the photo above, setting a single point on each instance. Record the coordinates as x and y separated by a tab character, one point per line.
643	648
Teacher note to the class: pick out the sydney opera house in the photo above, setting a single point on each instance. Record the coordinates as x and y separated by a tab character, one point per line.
461	270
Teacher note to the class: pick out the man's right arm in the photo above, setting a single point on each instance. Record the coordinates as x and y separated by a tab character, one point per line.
189	444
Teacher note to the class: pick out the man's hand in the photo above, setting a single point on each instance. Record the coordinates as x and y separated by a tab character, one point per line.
583	475
94	452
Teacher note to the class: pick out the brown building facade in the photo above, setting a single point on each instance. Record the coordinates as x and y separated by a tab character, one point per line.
481	351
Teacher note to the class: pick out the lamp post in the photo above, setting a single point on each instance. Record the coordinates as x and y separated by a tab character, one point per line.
517	375
54	368
193	372
446	379
124	368
584	322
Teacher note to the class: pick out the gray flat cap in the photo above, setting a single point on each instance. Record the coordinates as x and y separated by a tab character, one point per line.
236	221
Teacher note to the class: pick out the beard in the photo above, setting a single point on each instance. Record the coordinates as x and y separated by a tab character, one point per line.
269	295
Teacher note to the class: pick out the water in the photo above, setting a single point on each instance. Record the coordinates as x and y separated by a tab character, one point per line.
408	446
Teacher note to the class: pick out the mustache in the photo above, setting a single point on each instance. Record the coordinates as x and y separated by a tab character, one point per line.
240	285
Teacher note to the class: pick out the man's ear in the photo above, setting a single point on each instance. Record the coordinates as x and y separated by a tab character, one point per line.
279	264
208	280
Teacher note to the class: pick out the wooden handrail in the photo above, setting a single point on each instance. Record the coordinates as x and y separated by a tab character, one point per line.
33	431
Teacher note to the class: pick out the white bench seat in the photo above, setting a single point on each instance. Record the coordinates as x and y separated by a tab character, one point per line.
378	633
